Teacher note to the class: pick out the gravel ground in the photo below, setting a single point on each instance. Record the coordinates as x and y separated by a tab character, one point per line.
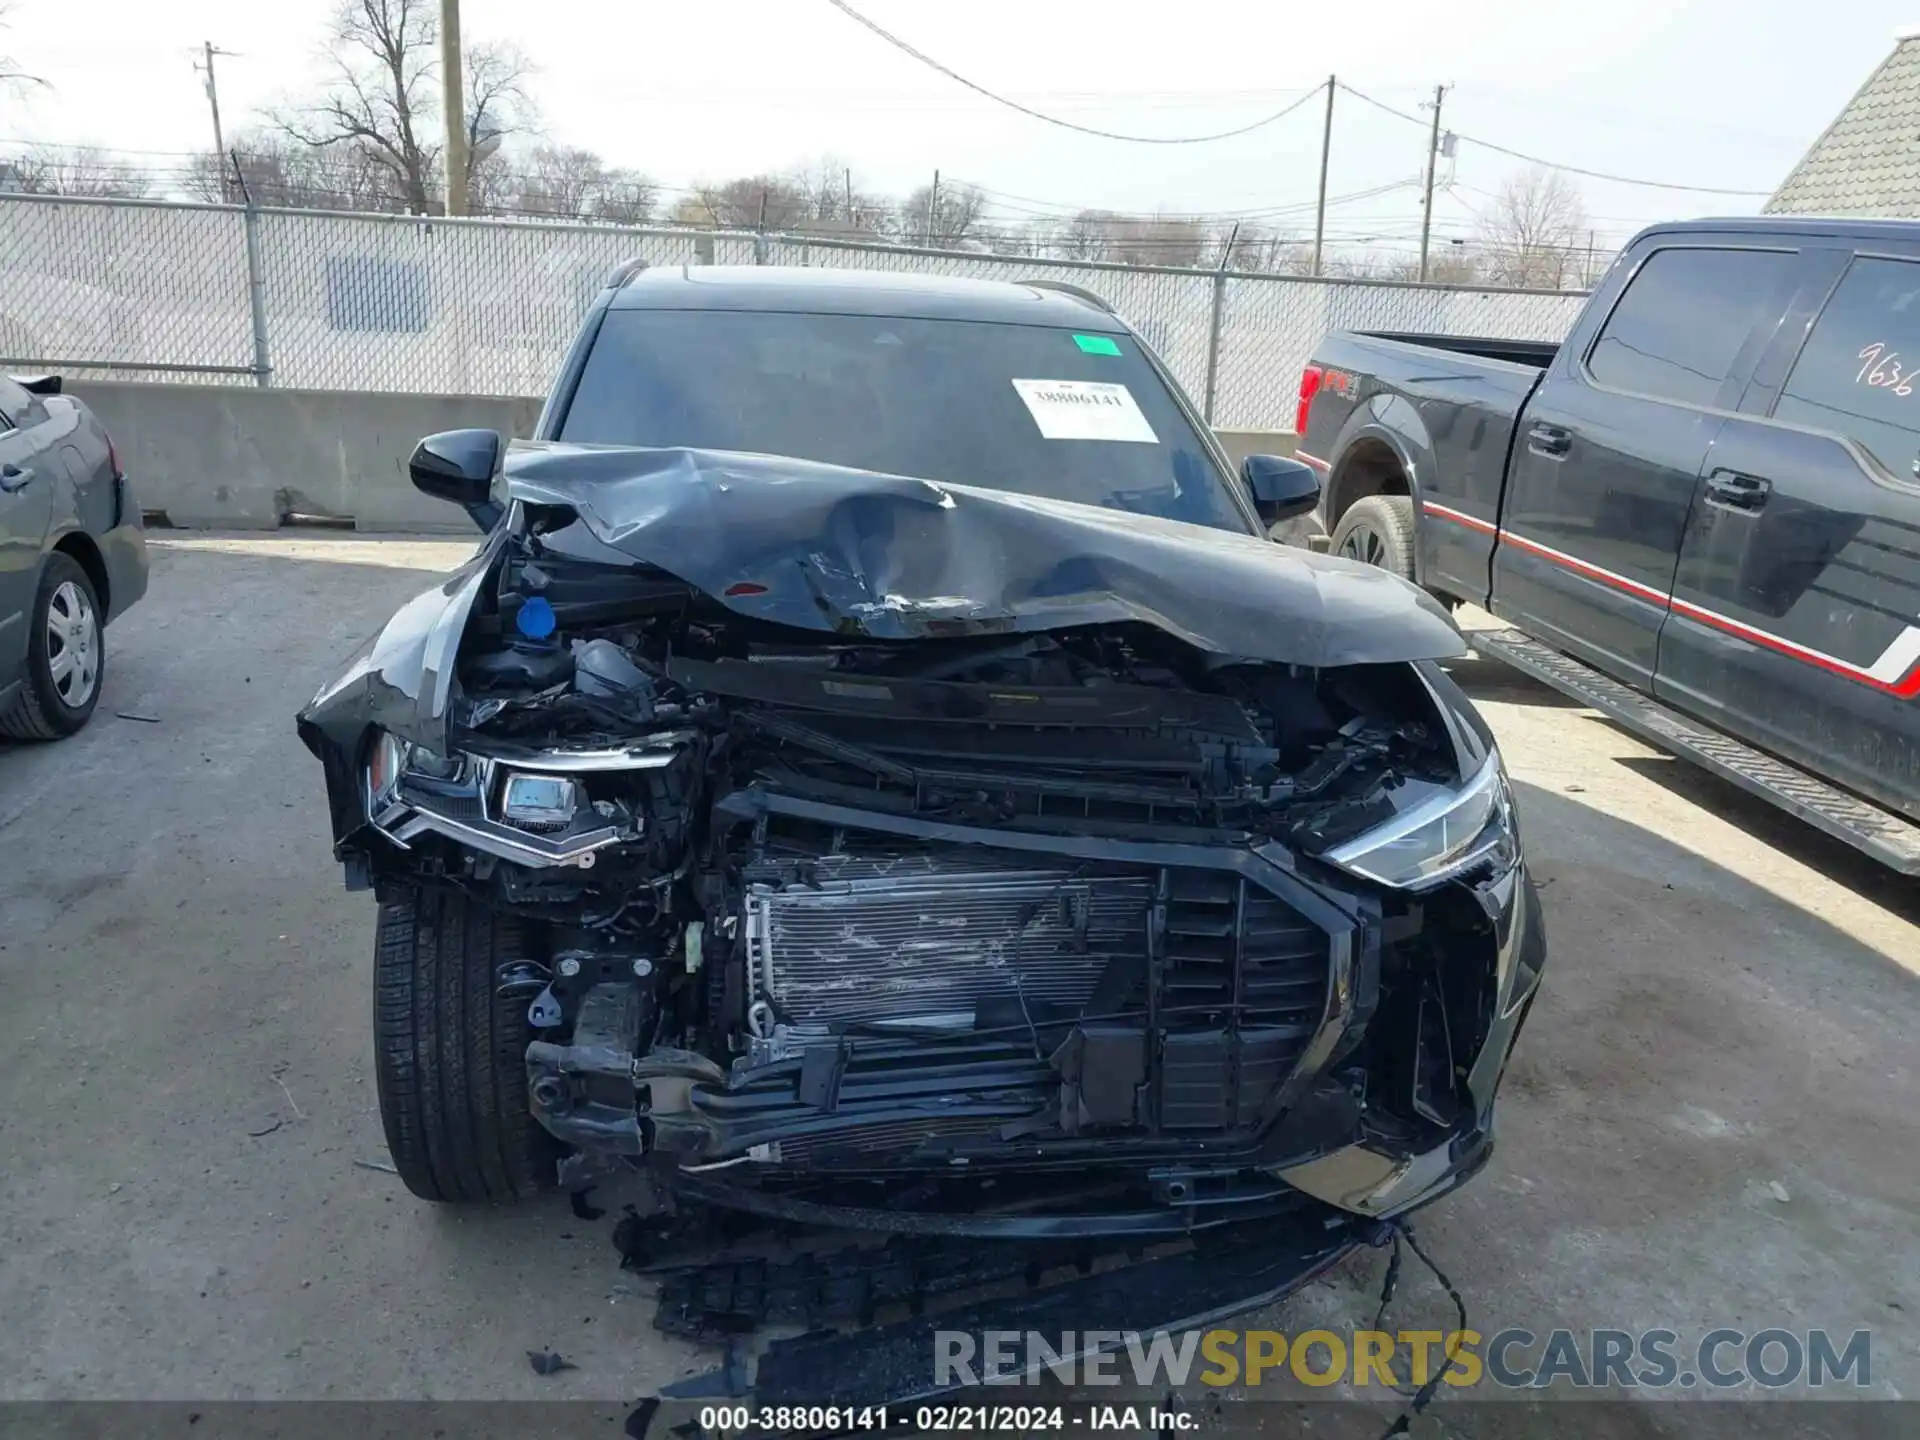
1712	1119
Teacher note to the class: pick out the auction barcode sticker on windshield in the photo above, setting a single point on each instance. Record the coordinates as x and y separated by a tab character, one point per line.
1085	410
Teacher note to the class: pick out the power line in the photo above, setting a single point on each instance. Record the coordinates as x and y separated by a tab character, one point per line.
925	59
1060	209
1553	164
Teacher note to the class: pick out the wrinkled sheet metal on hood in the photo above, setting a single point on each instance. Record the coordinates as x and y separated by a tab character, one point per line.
887	557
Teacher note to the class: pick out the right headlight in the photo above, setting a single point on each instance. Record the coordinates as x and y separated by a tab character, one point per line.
1440	837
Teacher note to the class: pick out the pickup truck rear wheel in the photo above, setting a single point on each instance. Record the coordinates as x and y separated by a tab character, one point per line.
450	1053
1379	531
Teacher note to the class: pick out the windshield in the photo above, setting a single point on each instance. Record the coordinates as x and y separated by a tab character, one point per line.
1026	408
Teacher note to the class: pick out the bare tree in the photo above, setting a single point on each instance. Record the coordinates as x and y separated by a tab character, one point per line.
554	180
1532	230
1034	240
1451	264
1088	235
68	170
626	197
1156	240
771	202
835	204
1256	248
953	219
280	171
12	77
562	180
383	101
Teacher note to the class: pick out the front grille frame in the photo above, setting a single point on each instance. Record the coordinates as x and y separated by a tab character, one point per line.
1280	1050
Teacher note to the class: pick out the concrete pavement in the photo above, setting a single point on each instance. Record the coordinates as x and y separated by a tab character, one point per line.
1712	1120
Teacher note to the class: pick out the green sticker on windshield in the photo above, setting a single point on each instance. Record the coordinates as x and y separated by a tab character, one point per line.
1096	345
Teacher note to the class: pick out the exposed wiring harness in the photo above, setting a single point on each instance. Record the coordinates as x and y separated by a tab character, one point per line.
1419	1399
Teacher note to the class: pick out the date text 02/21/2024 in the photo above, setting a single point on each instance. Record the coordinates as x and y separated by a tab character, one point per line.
947	1418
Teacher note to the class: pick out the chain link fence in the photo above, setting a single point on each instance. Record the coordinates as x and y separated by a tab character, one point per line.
318	300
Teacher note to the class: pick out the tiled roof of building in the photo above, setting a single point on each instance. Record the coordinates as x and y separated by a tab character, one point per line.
1868	161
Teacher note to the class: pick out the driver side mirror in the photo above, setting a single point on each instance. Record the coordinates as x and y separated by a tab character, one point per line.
459	465
1281	488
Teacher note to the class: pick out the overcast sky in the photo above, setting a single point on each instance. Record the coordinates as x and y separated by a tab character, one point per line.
1724	93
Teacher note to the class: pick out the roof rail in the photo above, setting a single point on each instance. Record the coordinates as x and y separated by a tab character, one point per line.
1061	287
625	271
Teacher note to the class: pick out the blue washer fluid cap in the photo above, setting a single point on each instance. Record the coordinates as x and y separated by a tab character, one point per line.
535	620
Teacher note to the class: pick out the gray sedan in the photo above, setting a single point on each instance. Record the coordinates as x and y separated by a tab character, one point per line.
72	557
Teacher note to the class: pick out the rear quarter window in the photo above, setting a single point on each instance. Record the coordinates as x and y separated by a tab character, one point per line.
1858	375
1685	314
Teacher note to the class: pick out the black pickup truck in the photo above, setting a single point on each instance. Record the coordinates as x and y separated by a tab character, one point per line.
1699	515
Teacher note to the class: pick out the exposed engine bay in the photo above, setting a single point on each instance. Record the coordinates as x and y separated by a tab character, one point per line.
805	902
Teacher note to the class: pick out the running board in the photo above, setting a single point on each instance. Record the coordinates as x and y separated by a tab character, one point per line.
1879	833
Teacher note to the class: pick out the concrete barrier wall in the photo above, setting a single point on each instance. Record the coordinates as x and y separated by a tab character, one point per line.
1242	443
235	457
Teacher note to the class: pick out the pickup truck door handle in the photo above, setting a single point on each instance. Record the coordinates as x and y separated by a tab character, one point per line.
1550	441
1730	490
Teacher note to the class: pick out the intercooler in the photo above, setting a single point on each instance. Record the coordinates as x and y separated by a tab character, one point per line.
935	939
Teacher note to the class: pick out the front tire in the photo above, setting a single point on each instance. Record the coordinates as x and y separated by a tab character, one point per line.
66	656
450	1054
1378	530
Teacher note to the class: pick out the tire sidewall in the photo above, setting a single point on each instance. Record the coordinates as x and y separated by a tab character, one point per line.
66	719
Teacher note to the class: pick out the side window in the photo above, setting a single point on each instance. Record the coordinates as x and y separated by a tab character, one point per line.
1683	319
1859	372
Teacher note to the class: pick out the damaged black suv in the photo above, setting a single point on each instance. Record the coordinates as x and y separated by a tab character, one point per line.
877	770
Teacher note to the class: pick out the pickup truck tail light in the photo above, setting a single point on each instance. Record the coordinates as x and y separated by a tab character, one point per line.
1309	387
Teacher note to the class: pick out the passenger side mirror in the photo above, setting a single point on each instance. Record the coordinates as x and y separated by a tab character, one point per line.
459	465
1281	488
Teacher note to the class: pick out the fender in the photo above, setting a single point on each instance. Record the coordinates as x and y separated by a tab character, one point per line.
1394	422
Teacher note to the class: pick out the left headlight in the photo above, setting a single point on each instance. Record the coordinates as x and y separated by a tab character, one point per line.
1439	837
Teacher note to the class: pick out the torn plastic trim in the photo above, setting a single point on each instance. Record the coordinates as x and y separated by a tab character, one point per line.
887	1363
1366	1179
1158	1222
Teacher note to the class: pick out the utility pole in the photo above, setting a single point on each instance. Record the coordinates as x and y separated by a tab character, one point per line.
1433	164
1326	149
933	207
453	104
213	101
848	174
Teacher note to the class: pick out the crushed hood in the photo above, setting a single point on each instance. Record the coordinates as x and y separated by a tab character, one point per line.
856	553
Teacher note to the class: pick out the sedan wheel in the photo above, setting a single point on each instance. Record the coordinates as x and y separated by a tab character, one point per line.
66	661
73	644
